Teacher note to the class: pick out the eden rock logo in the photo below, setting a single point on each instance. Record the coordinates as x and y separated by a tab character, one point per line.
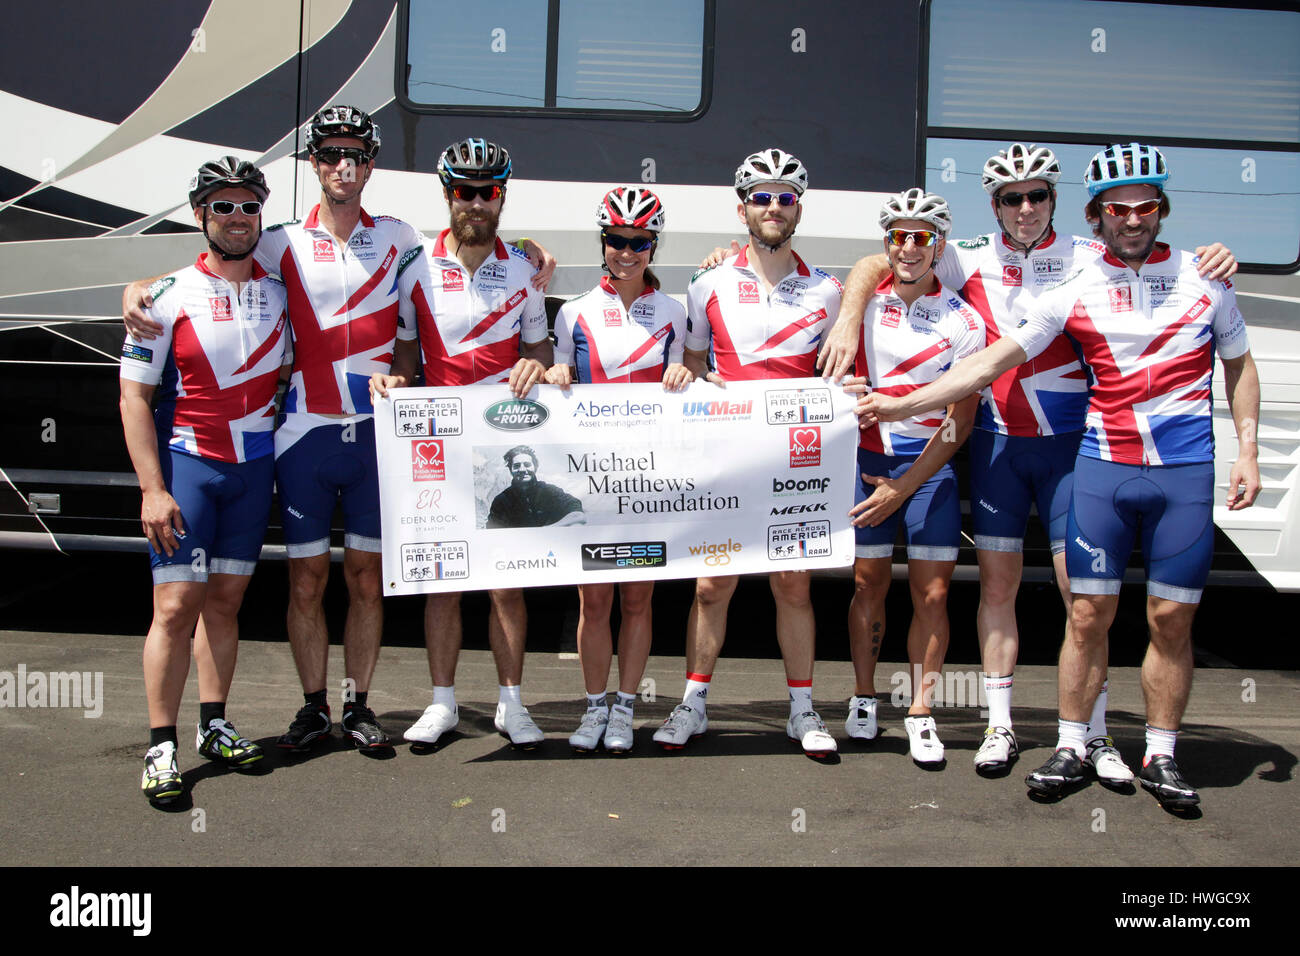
805	447
426	461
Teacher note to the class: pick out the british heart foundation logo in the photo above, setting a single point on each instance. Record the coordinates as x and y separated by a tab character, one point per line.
426	461
805	447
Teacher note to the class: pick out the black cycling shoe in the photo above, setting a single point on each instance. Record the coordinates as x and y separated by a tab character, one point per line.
311	723
1062	769
1161	776
366	733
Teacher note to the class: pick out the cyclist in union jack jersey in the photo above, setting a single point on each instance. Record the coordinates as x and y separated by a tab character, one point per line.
1148	326
760	314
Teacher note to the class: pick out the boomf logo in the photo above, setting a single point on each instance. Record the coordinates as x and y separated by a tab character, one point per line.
747	292
1012	275
453	280
426	461
805	447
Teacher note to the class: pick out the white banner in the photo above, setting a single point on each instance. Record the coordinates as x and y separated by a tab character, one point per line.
479	489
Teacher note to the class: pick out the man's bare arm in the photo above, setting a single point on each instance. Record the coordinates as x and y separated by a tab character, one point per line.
1241	378
841	345
966	377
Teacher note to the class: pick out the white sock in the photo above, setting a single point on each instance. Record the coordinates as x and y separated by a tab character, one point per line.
1071	734
997	692
697	691
597	702
1159	741
445	695
624	700
800	697
1097	723
508	695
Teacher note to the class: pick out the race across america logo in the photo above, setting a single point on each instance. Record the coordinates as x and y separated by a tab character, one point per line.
426	461
805	447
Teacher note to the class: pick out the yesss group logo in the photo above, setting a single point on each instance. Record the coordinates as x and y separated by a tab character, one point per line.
624	554
426	461
516	415
805	447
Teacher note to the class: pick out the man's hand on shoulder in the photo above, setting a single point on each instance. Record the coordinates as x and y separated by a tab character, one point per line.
542	261
136	300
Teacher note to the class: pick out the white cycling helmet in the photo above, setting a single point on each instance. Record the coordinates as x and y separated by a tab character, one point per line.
916	203
631	206
1125	165
770	165
1019	163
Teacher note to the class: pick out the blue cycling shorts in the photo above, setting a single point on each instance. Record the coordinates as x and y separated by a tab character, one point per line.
931	517
1011	472
318	470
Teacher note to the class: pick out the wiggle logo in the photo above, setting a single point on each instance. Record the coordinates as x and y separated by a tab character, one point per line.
805	447
322	250
426	461
747	292
1012	275
453	280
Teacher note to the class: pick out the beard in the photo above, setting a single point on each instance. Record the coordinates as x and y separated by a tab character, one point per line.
469	232
770	236
1134	246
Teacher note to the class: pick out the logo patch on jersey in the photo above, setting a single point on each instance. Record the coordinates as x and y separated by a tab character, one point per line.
453	280
805	447
792	289
361	240
1121	298
891	316
426	461
162	285
747	292
491	271
322	250
1159	284
613	318
220	307
927	315
1049	267
1011	275
642	313
977	243
138	352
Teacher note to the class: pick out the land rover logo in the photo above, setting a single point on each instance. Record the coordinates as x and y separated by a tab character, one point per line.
516	416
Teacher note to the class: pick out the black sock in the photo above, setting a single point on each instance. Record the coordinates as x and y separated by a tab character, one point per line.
216	710
316	698
359	700
158	735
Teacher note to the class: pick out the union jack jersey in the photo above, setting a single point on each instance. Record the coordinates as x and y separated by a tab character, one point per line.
755	335
217	360
608	343
1149	340
342	307
469	325
903	348
1048	395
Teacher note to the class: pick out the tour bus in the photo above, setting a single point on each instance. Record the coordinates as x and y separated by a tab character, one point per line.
109	108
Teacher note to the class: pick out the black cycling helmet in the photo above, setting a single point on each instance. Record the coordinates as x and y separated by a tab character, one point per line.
225	173
343	121
474	159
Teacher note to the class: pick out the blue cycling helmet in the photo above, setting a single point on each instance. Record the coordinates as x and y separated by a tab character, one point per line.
474	159
1125	165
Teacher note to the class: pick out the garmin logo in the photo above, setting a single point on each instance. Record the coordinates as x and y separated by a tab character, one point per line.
516	415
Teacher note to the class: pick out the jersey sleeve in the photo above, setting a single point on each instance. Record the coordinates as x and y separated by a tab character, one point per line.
1229	324
676	350
144	361
564	322
1044	320
955	266
413	266
698	333
970	336
270	248
532	324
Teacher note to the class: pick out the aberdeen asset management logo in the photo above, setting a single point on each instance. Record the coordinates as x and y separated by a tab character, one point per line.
624	554
805	447
426	461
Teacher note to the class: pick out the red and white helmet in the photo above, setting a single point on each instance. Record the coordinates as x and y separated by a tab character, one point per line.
631	206
1019	163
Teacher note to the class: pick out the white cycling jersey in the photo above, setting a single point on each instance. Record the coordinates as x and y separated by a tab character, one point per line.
342	307
217	358
754	334
903	348
469	326
1149	339
608	343
1048	395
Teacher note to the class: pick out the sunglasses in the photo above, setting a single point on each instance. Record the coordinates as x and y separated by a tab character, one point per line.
1035	196
224	207
765	199
330	155
635	243
486	193
899	237
1122	210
